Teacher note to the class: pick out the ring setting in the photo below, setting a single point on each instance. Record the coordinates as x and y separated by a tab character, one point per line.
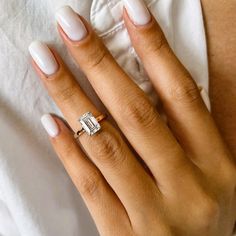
90	124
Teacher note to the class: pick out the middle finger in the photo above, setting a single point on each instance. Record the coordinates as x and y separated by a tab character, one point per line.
128	104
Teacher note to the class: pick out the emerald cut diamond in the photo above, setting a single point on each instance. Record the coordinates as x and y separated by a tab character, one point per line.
89	123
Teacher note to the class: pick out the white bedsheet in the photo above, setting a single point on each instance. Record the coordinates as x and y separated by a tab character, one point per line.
36	195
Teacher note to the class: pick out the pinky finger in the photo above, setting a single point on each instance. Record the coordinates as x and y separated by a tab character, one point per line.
106	209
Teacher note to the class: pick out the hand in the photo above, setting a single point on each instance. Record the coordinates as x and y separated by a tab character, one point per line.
175	180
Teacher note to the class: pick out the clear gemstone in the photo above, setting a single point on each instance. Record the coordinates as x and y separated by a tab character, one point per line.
89	123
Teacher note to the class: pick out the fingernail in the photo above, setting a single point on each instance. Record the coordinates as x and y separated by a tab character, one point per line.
50	125
71	23
43	57
138	12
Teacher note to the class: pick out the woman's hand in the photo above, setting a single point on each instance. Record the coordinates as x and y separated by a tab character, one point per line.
176	180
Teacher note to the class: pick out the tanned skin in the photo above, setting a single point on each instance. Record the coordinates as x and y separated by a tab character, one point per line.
220	21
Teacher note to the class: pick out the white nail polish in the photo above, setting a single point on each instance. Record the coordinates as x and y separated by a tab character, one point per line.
50	125
138	12
43	57
71	23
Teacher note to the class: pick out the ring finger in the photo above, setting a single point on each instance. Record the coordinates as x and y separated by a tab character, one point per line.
128	104
107	149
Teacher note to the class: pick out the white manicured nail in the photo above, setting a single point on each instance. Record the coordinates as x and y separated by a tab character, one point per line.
43	57
50	125
71	23
138	12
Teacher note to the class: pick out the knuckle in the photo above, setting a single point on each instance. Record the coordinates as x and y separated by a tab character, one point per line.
140	112
89	184
161	44
207	212
67	150
186	94
66	93
107	148
211	210
228	175
157	43
96	58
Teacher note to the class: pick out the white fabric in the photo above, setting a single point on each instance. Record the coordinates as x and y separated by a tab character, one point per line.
36	195
182	26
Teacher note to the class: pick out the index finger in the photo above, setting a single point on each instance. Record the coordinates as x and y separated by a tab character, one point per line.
188	116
